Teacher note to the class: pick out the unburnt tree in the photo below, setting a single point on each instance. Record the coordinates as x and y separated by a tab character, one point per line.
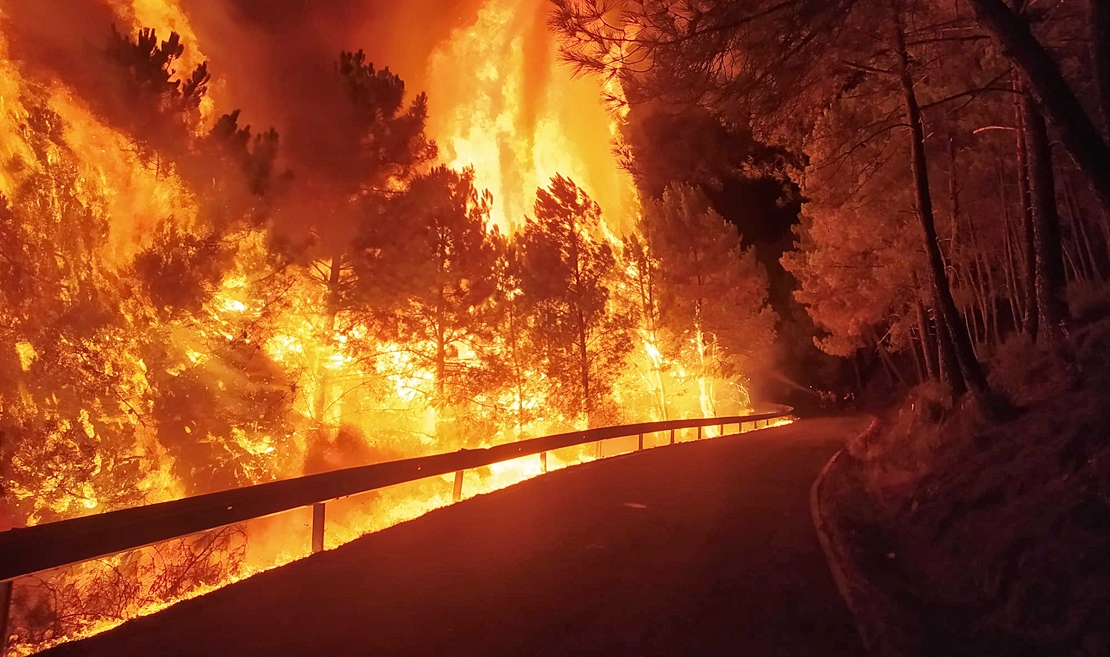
778	65
567	266
1044	80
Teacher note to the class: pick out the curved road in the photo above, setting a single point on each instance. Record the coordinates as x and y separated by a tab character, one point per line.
698	549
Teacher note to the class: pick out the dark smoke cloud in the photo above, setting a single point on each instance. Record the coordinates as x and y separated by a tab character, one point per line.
276	58
63	39
273	59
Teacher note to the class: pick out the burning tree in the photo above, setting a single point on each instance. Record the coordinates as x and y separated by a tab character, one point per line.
180	316
156	107
518	362
73	437
710	294
380	145
427	273
568	268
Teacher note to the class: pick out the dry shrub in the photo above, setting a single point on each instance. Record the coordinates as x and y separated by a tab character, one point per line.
1027	372
1089	303
70	601
1002	525
901	448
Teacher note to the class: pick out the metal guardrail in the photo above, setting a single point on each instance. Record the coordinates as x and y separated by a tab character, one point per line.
28	550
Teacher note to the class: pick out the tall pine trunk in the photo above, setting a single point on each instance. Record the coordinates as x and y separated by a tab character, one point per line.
1051	307
334	301
959	340
582	337
946	357
1010	239
1044	80
928	346
441	409
1029	252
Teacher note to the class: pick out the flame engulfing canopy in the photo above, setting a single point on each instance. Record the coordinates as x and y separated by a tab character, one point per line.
500	100
512	112
187	338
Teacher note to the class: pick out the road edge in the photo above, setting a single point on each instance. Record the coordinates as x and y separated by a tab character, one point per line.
827	537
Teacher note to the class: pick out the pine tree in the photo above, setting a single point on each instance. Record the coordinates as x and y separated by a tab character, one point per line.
567	267
713	308
429	272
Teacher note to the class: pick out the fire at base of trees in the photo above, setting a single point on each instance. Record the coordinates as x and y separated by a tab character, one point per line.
188	309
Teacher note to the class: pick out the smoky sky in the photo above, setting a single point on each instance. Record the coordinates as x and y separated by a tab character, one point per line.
272	59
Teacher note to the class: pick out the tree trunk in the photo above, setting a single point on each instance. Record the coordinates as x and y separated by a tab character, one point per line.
918	366
518	372
1079	225
1012	291
960	342
1051	306
1030	250
584	358
646	284
1047	85
893	372
1011	284
855	370
953	197
928	347
320	403
949	367
441	364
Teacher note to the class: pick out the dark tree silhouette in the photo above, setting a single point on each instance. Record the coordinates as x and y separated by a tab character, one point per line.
428	271
567	267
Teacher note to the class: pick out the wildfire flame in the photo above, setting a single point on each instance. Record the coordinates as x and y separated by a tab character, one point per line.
503	104
511	110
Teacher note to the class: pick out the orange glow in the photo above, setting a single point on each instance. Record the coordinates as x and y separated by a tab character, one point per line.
502	103
167	16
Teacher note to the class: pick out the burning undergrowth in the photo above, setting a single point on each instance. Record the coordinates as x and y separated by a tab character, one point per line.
190	306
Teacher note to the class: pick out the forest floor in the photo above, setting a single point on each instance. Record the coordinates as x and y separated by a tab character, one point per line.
963	534
701	548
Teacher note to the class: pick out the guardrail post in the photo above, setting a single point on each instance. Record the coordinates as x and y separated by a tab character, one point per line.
599	449
722	431
318	527
22	553
641	446
457	495
543	462
5	609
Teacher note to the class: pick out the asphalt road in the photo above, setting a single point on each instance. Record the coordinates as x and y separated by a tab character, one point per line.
697	549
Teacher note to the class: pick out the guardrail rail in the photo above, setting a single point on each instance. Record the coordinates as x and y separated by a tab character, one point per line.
28	550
